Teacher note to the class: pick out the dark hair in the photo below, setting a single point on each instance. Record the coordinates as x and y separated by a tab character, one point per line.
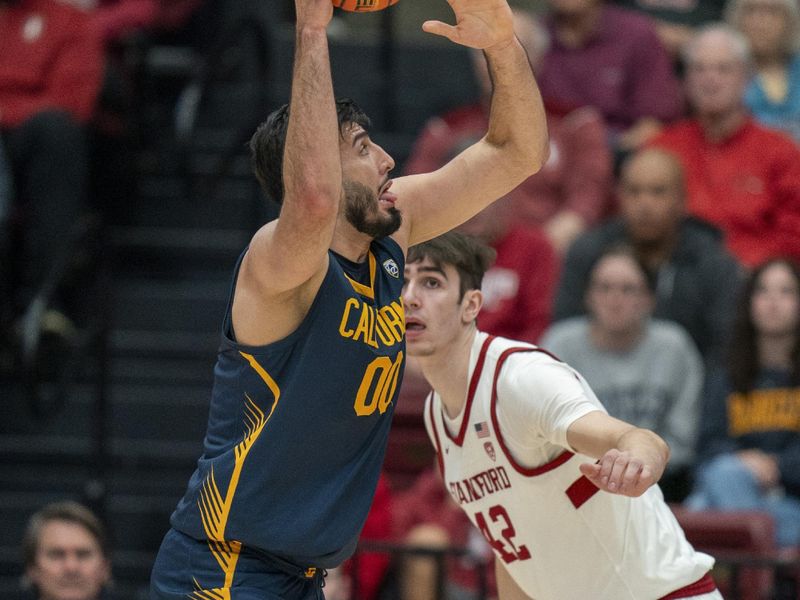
470	257
67	511
743	358
268	143
625	249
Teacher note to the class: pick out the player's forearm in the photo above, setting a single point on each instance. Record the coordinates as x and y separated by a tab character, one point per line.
517	124
312	170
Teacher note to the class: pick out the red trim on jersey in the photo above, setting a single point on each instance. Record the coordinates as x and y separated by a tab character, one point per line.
437	443
473	384
704	585
581	490
528	472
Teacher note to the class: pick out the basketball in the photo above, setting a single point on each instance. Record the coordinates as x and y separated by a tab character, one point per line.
363	5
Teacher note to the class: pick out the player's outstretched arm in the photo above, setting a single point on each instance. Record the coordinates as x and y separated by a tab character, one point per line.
630	459
288	252
515	145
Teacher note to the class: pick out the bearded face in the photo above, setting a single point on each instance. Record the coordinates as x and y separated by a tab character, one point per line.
362	211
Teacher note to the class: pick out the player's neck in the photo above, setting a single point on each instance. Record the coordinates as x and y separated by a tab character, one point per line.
447	371
349	242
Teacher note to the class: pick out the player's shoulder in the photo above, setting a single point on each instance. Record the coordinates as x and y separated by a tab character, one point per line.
518	353
387	245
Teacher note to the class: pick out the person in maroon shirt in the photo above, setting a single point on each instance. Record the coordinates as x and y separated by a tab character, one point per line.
51	66
741	176
610	58
113	20
573	189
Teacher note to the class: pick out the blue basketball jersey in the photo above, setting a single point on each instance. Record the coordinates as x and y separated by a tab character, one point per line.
297	429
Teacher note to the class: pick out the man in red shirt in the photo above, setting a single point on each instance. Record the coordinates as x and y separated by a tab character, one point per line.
51	65
740	176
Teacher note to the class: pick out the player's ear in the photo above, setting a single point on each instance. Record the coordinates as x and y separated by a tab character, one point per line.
471	305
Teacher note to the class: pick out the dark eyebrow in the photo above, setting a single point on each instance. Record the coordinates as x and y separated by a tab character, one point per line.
433	270
358	136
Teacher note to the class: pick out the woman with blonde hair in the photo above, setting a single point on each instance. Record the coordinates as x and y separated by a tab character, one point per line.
772	28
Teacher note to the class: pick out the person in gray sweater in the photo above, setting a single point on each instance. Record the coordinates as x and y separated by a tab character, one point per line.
645	371
696	278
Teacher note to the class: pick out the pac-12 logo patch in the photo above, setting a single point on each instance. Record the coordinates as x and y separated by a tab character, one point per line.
391	268
489	450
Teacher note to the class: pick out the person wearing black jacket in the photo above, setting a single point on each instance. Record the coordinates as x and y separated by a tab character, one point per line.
697	278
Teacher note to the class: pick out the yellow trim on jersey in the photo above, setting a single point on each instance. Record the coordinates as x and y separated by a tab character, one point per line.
360	288
214	509
216	594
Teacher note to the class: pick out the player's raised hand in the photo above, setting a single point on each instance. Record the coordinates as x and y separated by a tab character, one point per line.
316	14
479	24
619	472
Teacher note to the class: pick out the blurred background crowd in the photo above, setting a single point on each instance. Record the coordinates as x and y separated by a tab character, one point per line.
656	252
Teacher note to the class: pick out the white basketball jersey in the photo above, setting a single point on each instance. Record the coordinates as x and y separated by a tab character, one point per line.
558	536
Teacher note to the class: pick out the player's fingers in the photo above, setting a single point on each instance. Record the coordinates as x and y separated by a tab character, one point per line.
607	466
631	474
590	470
617	475
442	29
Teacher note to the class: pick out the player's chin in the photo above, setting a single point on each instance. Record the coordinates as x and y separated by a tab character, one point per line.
415	345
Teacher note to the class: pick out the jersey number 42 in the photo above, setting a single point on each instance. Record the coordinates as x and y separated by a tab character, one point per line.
504	546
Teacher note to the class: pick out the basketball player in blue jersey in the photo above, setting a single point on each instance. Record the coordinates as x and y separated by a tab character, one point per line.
313	342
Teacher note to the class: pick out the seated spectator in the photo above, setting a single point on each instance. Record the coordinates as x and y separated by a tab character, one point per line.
66	554
645	371
51	66
518	288
572	190
427	517
772	28
750	431
694	274
371	567
740	176
113	20
610	58
677	22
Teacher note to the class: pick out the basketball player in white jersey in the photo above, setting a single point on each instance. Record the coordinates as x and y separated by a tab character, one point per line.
564	493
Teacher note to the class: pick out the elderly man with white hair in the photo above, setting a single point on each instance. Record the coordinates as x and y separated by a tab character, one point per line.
740	175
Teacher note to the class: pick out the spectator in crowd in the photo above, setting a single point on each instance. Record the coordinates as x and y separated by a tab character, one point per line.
750	431
113	20
370	567
572	191
772	28
741	176
694	274
645	371
427	517
66	554
610	58
51	66
676	22
519	286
